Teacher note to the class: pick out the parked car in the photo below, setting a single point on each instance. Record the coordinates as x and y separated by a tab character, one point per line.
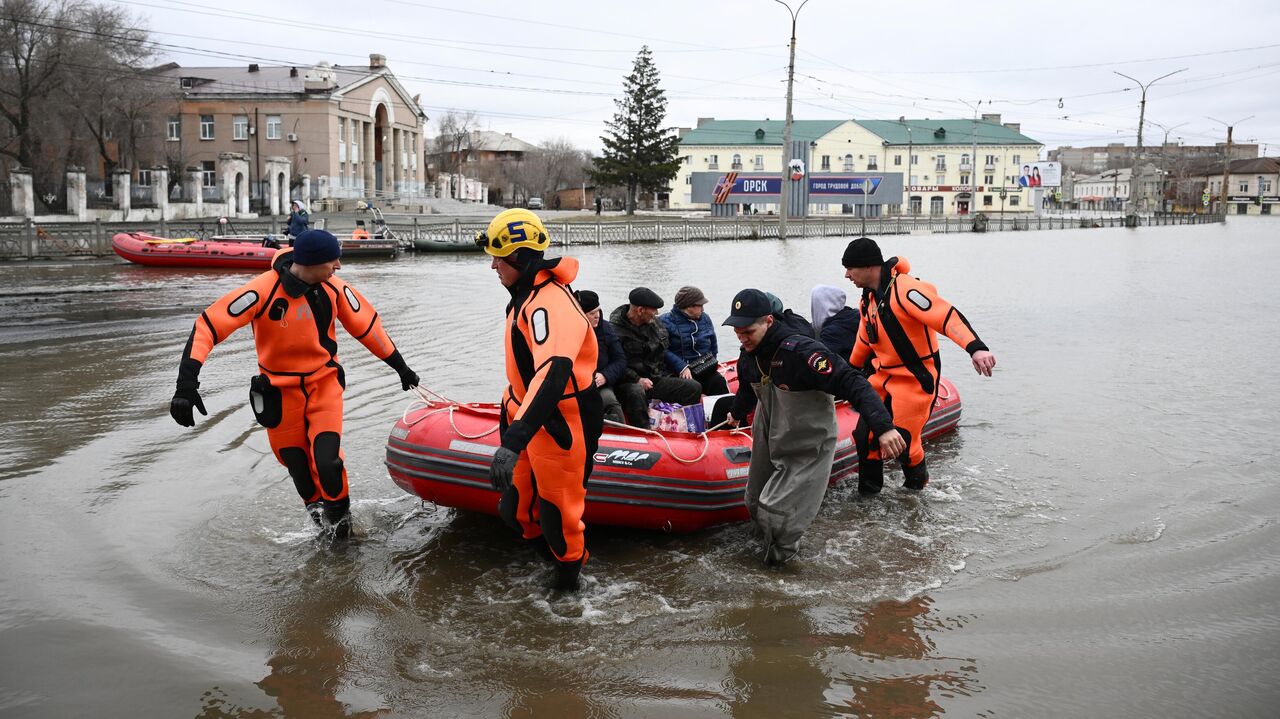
534	203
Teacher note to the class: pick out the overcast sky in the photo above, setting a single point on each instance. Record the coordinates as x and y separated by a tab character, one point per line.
544	70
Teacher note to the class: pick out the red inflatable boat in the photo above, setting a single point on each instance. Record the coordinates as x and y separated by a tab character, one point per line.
242	253
672	481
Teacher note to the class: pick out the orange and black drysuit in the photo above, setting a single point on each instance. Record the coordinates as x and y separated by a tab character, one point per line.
298	395
552	414
898	334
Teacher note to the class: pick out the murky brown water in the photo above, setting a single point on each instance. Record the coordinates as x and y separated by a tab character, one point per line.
1099	538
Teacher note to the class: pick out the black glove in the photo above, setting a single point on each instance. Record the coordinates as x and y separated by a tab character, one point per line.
180	406
503	467
408	378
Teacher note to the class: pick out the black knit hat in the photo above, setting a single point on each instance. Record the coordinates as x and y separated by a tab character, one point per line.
862	252
587	299
644	297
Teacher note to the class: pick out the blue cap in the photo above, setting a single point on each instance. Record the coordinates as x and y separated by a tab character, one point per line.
316	247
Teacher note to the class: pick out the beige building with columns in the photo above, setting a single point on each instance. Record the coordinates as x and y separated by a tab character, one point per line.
269	134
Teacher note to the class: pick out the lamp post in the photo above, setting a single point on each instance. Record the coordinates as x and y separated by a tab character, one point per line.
1134	178
910	168
1226	161
786	128
973	161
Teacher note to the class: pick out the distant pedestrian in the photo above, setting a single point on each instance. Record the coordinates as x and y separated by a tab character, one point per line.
298	219
599	204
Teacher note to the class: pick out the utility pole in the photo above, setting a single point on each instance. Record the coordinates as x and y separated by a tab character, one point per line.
1226	162
1135	180
910	168
786	129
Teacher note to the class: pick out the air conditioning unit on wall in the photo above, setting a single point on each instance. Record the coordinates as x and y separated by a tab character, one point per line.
292	137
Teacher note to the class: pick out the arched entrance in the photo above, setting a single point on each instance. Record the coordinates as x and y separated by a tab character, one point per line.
282	183
239	200
381	133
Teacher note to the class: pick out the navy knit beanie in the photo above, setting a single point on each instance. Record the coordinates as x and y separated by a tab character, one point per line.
315	247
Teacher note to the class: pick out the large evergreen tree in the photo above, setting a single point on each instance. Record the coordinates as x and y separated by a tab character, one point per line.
639	153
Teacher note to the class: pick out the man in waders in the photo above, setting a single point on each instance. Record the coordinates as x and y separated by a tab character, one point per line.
898	333
552	414
298	395
790	379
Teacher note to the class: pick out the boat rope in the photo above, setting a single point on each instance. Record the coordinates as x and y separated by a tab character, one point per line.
424	399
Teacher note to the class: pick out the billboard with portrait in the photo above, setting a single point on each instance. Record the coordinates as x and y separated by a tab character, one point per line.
1040	174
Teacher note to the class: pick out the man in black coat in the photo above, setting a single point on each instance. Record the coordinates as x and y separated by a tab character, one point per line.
650	372
789	379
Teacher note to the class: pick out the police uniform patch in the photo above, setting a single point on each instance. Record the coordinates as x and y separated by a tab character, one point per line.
918	299
538	321
819	363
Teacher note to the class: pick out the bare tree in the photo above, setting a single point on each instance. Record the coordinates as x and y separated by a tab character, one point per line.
455	140
33	43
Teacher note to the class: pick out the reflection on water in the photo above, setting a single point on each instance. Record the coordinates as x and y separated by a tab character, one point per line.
1109	494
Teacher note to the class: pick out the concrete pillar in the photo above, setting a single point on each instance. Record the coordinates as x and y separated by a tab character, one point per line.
235	182
193	188
160	190
22	194
368	159
121	187
388	162
306	192
397	159
77	199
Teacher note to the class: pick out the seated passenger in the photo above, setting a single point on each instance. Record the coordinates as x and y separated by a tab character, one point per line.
835	323
692	335
611	361
651	366
360	233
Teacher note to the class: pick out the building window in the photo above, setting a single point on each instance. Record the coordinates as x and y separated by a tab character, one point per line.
1013	200
914	205
1017	159
848	163
935	205
240	127
915	159
964	160
759	162
208	174
986	200
871	163
355	154
186	83
897	160
991	162
915	180
713	162
342	152
206	127
342	130
964	179
737	162
1264	187
1244	186
826	163
940	163
144	178
988	179
174	133
274	125
688	179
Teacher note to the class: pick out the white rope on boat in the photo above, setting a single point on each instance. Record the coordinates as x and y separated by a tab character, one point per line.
424	399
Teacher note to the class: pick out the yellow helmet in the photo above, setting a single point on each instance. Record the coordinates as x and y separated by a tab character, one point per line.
511	230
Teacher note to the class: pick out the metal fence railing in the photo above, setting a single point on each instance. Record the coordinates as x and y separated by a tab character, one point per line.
30	240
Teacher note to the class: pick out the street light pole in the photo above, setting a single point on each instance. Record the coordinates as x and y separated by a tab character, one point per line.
1164	153
786	129
1135	176
1226	162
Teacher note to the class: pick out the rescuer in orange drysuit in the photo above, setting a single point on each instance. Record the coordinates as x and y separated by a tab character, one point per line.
901	316
298	395
552	413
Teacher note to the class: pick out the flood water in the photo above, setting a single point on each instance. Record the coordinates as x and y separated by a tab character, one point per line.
1099	537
